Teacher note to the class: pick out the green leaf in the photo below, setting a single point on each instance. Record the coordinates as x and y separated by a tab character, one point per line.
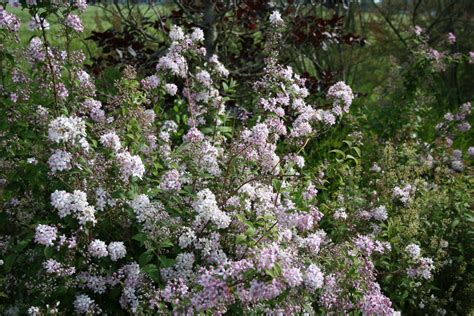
166	262
207	130
21	245
141	237
455	223
9	261
358	151
145	257
152	271
249	274
225	129
339	152
276	184
353	158
240	239
119	194
48	252
250	231
347	142
166	243
275	271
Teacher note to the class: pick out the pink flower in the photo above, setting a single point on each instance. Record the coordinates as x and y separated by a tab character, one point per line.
74	22
418	30
451	38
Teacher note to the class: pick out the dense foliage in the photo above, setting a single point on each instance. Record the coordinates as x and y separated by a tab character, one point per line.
162	182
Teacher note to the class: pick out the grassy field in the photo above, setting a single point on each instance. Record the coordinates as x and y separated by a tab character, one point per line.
95	18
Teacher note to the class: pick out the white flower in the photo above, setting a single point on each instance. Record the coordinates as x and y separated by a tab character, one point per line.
81	4
470	151
149	116
314	241
111	141
171	181
130	166
83	304
313	278
147	213
98	248
379	213
34	311
275	18
171	89
375	168
218	66
293	276
413	250
38	23
342	97
74	22
91	106
457	165
67	129
204	77
175	63
52	266
117	250
83	76
45	235
60	160
86	215
418	30
207	209
340	214
187	237
176	33
402	194
74	204
197	35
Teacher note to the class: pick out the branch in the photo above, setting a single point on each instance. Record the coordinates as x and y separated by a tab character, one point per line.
394	29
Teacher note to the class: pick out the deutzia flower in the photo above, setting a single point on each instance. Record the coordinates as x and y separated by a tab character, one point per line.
83	304
116	250
207	209
45	234
97	248
275	18
130	166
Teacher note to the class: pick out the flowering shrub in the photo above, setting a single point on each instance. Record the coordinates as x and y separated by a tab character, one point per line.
420	176
162	197
427	226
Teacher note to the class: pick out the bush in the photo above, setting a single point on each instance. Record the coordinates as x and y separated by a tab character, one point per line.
164	194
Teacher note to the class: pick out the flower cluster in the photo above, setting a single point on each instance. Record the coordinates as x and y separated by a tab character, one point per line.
38	23
74	22
342	97
111	141
60	160
45	235
423	268
449	126
9	21
207	210
402	194
197	209
74	204
68	130
130	165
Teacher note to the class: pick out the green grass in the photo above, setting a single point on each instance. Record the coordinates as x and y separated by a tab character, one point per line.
95	18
